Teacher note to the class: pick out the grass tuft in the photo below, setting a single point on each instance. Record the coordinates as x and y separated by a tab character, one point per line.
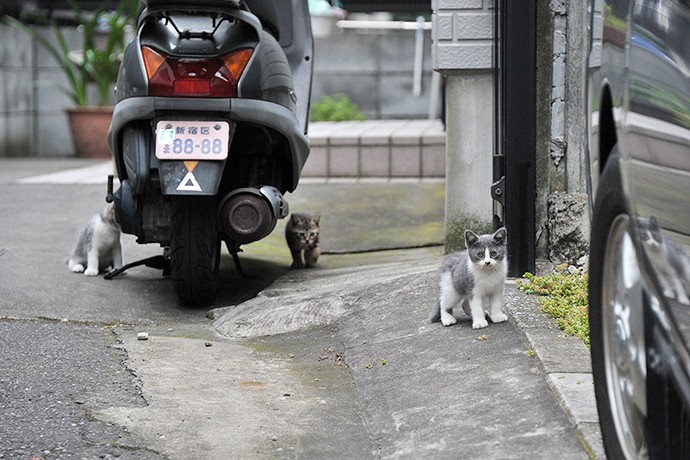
563	296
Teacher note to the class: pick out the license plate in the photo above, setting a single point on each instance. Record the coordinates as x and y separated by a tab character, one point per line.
192	140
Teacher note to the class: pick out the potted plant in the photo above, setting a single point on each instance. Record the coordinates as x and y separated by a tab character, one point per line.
95	64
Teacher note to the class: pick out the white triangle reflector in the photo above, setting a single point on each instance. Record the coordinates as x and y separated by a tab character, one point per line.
189	184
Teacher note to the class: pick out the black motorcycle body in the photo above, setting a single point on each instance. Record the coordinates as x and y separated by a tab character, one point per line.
209	128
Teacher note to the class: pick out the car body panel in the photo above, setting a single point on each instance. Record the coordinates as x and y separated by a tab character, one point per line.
640	54
638	91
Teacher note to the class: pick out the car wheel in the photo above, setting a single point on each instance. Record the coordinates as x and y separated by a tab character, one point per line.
616	322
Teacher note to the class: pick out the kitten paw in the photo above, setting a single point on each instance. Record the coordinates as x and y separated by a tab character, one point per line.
77	268
499	318
448	320
481	324
91	272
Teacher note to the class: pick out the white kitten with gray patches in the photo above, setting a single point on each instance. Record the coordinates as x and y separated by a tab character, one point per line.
98	245
474	279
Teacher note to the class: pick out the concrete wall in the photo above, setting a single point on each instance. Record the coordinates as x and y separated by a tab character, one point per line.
374	68
16	98
561	205
469	149
32	120
462	51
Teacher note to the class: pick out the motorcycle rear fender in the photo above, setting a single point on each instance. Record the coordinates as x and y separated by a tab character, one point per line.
125	209
136	144
140	111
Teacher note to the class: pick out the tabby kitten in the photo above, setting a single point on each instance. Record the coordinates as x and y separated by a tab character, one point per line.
302	235
98	245
474	278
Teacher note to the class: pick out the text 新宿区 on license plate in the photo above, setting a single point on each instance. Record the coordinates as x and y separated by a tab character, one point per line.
192	140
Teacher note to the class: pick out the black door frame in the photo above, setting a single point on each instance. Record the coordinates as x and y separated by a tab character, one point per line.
514	188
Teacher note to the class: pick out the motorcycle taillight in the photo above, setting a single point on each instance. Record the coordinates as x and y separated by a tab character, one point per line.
194	77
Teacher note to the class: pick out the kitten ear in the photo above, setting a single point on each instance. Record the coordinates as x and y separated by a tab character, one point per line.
295	219
653	222
317	218
500	235
470	238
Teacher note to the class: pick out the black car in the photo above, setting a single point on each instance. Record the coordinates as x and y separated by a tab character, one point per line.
639	162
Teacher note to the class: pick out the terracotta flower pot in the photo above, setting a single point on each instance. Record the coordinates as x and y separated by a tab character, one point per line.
89	127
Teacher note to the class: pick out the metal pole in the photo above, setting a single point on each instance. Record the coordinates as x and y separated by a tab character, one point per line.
418	58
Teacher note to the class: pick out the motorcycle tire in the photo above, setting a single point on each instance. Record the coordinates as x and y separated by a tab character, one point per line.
616	322
194	250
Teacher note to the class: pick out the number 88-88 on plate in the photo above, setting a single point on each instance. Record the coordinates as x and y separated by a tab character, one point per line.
192	140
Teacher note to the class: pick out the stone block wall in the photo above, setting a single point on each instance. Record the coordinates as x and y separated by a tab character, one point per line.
377	148
463	33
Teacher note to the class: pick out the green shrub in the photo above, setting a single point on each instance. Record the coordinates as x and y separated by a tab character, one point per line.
338	107
563	296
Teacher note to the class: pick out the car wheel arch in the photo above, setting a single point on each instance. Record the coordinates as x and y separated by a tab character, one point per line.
608	137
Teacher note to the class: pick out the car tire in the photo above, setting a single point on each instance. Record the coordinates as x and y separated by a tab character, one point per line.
194	250
616	321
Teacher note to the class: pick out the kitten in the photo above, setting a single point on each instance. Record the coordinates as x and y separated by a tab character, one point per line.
669	258
472	278
302	235
98	245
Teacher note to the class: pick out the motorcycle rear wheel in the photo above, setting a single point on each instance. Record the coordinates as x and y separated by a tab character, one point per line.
194	250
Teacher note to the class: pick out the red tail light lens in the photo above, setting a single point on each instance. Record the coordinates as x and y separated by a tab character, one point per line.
194	77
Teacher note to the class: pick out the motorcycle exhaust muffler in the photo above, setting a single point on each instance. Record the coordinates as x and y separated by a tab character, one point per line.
250	214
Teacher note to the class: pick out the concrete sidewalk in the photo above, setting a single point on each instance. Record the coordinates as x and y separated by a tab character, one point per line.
382	247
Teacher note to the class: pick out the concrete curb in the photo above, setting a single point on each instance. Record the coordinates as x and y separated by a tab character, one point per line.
566	364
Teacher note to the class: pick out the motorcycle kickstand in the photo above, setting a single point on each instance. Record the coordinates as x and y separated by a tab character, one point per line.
161	262
234	250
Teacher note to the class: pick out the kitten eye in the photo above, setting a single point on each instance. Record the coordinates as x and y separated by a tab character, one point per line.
494	253
480	254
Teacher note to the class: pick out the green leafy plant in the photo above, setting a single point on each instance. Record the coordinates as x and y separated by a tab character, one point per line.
92	63
338	107
562	295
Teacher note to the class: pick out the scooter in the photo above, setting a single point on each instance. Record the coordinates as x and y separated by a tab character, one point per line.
209	129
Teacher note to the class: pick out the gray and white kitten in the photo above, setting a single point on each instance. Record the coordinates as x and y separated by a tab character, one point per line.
474	279
98	245
669	258
302	235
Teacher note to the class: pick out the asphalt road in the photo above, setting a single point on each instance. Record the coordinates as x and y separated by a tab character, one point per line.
335	362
